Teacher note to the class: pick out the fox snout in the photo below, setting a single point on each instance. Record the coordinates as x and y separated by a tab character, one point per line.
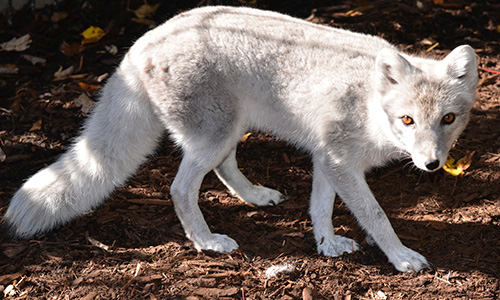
430	161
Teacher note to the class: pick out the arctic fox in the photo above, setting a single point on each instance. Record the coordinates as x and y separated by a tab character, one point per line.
209	75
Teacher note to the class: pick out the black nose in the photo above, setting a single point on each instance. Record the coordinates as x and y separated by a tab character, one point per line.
432	165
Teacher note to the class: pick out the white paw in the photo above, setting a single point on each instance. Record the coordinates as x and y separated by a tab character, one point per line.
219	243
263	196
407	260
337	246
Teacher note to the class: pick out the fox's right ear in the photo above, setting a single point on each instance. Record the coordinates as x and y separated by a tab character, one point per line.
461	64
391	69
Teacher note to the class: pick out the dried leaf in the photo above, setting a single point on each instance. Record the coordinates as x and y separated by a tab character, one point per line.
457	168
17	44
92	35
85	102
89	87
34	59
3	156
71	49
9	278
58	16
63	73
146	10
245	137
435	222
37	125
113	50
9	69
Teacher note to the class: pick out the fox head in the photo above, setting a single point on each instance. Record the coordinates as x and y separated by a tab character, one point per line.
426	102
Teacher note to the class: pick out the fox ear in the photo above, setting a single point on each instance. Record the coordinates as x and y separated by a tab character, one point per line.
461	64
391	68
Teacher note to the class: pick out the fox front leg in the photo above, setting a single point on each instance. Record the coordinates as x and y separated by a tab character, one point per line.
357	196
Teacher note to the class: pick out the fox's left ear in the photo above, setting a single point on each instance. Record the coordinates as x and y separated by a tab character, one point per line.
461	64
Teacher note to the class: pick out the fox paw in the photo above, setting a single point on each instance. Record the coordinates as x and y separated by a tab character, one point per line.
407	260
218	243
337	246
263	196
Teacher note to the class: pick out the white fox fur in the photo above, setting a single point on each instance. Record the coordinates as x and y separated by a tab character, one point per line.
209	75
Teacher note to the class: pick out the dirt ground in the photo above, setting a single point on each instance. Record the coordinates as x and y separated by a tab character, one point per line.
133	246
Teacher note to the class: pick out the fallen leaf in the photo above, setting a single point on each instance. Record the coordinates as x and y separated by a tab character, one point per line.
71	49
3	156
435	222
92	35
146	10
9	278
58	16
85	102
37	125
12	250
457	168
9	69
89	87
113	50
245	137
64	73
9	291
17	44
34	59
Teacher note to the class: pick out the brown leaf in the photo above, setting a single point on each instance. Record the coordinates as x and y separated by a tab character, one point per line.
58	16
37	125
9	69
435	222
71	49
9	278
3	156
85	102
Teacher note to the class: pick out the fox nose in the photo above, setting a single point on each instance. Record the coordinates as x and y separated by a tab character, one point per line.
432	164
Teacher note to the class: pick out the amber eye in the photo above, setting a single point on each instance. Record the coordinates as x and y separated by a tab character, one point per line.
407	120
449	118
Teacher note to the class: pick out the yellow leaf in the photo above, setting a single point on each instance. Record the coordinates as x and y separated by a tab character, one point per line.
245	137
498	28
92	35
457	168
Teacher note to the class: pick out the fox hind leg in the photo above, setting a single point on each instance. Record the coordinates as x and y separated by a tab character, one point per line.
185	190
241	187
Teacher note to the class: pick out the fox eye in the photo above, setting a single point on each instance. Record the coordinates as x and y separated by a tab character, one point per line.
448	118
407	120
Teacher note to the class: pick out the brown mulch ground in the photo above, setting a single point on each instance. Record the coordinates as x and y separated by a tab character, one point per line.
133	246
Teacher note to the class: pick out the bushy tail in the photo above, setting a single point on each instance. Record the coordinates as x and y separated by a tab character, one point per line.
117	138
